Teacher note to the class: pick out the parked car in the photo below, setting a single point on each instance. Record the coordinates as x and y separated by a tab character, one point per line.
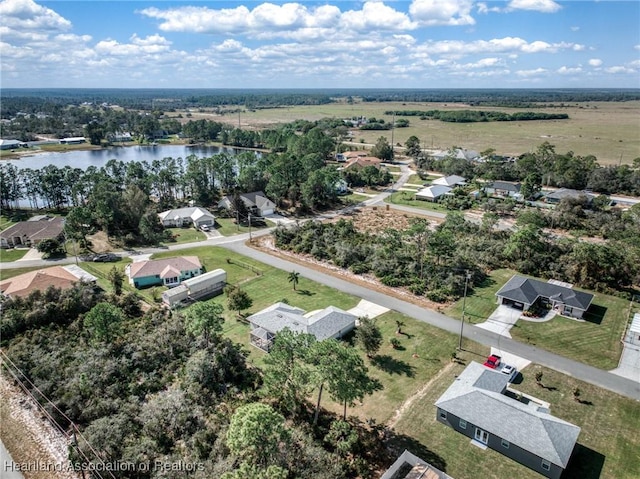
105	258
510	371
492	361
205	228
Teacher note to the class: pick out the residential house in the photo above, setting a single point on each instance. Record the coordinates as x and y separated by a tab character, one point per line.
168	272
450	181
503	189
557	196
522	293
256	202
410	466
63	277
330	322
120	136
362	161
433	193
32	231
633	333
11	144
191	216
457	153
479	405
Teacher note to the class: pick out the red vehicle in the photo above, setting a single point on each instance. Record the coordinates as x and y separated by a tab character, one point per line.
492	361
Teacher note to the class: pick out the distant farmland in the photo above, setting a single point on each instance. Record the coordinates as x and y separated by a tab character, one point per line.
608	130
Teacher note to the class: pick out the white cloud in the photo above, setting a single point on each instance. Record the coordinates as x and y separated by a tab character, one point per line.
375	15
532	73
544	6
442	12
636	47
484	8
619	69
152	44
564	70
575	29
506	45
595	62
28	15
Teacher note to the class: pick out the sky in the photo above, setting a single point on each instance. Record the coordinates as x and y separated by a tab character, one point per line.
320	44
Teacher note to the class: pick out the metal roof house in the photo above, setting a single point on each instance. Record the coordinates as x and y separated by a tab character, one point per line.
450	181
433	193
330	322
198	287
503	189
479	405
558	195
521	293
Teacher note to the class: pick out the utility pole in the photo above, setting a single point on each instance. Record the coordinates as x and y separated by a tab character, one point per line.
249	227
464	304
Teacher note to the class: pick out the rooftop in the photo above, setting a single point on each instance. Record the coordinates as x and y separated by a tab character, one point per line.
528	290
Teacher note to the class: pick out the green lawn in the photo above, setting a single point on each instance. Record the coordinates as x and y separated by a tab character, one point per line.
228	227
8	255
354	198
407	198
608	446
595	341
186	235
5	222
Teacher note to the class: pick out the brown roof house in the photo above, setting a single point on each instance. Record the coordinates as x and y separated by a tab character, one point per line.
168	272
63	277
362	161
32	231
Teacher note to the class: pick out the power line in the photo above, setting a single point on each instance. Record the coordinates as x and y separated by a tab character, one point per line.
6	361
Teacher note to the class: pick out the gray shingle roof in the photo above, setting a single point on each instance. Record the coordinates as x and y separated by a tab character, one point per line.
505	185
569	193
475	396
324	324
527	290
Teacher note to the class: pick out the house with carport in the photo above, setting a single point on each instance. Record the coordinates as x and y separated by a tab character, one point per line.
168	272
522	293
479	405
330	322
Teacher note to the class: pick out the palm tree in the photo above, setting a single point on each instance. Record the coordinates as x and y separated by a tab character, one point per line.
294	277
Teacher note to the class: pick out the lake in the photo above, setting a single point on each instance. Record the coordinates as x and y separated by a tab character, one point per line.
85	158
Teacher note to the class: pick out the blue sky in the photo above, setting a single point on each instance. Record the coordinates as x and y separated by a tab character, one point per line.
324	44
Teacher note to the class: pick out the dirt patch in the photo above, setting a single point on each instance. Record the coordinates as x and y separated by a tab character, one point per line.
375	220
421	392
28	437
100	243
267	245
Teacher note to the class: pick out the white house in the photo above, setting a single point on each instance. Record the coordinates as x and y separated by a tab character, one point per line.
194	215
433	193
457	153
74	140
256	202
198	287
450	181
11	144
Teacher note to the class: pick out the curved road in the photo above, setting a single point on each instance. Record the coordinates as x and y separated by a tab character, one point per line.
589	374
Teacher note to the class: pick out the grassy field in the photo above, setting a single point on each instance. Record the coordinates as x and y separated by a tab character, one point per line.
595	341
607	130
8	255
608	446
228	227
186	235
407	198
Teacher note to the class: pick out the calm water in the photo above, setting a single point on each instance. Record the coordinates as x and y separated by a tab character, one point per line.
85	158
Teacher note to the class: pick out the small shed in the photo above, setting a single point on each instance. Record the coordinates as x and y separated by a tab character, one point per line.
633	334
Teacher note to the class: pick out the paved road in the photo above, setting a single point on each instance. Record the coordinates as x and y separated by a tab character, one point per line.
604	379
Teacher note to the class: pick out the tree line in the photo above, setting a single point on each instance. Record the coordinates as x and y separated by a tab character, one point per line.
433	260
475	116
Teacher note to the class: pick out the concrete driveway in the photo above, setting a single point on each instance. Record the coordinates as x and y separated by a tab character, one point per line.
501	320
367	308
629	365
